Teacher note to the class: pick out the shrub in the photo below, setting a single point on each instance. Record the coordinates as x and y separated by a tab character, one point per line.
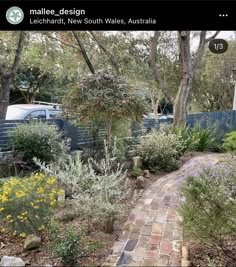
184	133
203	139
136	172
161	151
70	246
27	204
209	209
97	187
38	139
230	142
106	96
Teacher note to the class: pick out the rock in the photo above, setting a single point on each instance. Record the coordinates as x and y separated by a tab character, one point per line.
146	173
137	162
32	242
11	262
140	182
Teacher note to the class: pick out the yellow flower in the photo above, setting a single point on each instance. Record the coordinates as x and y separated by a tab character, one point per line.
8	217
40	190
20	194
52	203
36	207
1	209
60	192
51	180
22	234
3	198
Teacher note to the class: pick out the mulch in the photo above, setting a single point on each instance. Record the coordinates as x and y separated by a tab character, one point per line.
13	246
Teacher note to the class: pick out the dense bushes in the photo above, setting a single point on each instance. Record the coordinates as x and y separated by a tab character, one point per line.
196	138
161	151
230	142
38	139
209	209
97	187
27	204
202	138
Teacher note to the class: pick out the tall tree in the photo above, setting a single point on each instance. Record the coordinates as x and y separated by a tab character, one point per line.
7	75
213	88
189	68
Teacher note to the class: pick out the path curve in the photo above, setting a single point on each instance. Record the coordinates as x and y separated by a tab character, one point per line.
152	235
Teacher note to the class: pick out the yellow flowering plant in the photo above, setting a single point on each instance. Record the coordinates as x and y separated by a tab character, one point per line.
26	204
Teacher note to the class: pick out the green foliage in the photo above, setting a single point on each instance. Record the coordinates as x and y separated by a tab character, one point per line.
185	134
203	139
98	188
27	204
1	183
213	87
69	246
32	81
196	138
136	172
209	206
121	129
66	247
161	151
38	139
230	142
103	94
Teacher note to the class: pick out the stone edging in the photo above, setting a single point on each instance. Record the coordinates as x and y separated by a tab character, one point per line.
184	261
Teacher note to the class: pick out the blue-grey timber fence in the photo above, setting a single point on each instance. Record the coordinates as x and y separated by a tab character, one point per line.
86	136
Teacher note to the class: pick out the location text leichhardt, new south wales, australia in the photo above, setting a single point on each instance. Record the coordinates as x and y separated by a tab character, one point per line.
79	17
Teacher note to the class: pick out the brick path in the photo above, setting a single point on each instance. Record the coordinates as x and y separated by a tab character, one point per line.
152	235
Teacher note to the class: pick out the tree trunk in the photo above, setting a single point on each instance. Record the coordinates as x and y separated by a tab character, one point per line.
188	70
180	104
155	105
7	77
108	54
84	53
4	95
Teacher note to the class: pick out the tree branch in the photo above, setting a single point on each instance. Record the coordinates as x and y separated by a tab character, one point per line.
108	54
18	54
201	48
62	42
83	51
212	37
155	70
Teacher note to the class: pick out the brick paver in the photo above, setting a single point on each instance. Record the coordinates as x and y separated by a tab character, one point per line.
152	236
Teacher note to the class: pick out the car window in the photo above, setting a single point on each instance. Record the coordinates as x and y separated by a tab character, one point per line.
38	114
53	113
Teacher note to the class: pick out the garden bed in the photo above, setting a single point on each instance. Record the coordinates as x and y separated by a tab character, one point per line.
13	246
202	255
